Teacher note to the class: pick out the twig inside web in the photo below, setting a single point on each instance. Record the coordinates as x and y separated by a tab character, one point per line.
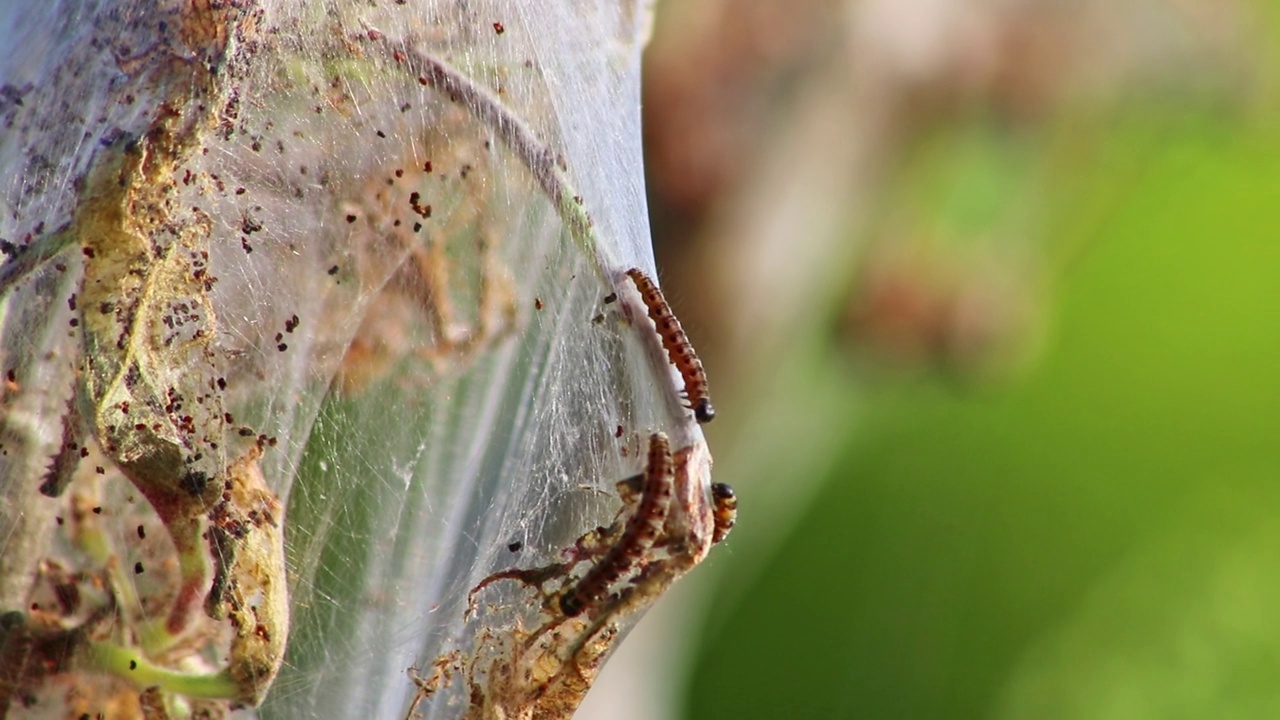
26	258
547	166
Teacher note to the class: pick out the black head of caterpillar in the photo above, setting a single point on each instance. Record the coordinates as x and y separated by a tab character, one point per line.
642	529
676	343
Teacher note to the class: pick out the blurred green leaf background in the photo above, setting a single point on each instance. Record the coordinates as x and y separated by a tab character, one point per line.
1084	521
1068	529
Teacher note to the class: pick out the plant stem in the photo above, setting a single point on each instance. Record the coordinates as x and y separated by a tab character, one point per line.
129	664
548	167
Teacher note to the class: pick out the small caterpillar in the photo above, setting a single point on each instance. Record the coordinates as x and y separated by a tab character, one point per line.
679	351
641	530
726	511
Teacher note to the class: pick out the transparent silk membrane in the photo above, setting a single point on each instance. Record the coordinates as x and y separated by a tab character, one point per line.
325	391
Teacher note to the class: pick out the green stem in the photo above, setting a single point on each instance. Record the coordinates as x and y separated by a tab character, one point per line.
132	666
153	635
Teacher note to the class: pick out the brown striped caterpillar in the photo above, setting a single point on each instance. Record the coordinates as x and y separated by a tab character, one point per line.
641	530
726	511
676	343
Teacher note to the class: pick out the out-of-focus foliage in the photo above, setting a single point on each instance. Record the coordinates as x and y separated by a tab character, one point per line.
1096	541
1006	448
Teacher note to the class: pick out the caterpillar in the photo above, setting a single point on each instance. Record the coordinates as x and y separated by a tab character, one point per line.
726	510
642	529
679	351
